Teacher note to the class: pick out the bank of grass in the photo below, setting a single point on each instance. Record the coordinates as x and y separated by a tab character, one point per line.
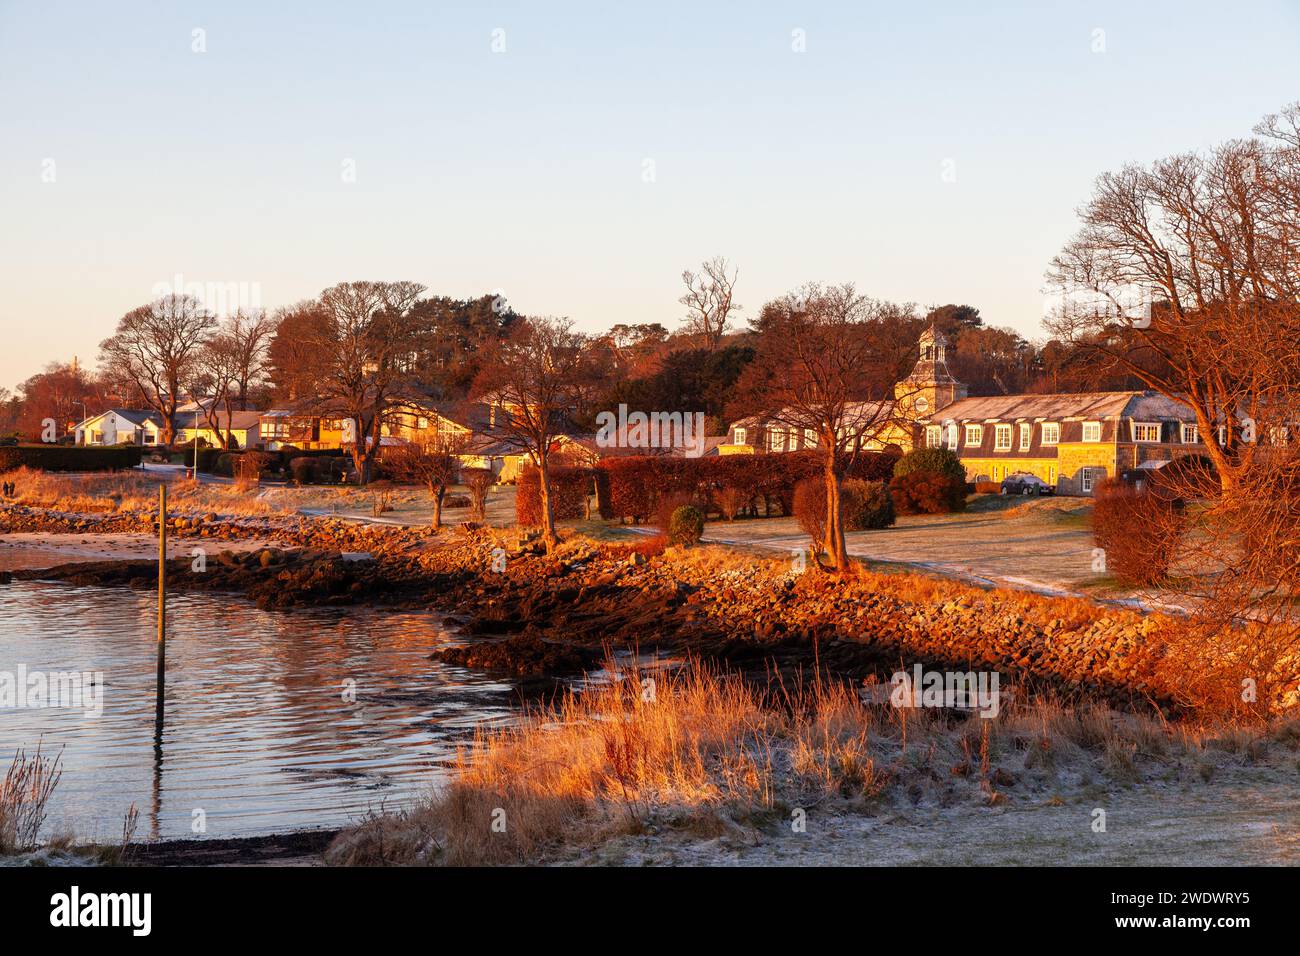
135	491
699	754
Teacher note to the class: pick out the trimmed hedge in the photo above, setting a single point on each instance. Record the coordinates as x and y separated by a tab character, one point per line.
636	487
70	457
569	490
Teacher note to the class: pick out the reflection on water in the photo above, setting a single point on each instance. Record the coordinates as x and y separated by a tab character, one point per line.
259	736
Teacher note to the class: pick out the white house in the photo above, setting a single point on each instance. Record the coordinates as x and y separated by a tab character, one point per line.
121	426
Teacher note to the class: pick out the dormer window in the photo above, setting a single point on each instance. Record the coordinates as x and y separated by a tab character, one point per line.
1092	431
1148	432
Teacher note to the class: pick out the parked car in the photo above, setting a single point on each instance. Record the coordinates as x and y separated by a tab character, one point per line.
1023	483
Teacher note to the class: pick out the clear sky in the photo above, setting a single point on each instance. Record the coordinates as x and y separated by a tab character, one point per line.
930	152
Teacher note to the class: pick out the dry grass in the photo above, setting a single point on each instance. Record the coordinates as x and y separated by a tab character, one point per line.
114	492
701	753
25	794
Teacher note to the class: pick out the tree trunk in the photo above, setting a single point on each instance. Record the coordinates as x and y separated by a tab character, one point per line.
437	491
836	551
549	537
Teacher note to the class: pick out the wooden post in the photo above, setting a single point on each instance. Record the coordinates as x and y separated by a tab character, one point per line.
162	607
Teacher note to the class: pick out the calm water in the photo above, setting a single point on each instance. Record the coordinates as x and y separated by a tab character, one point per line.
258	734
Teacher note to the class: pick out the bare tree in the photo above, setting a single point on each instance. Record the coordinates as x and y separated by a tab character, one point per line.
814	356
1189	270
363	342
250	335
709	301
154	348
532	377
434	464
1184	274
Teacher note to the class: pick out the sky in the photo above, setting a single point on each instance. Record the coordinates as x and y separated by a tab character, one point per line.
576	157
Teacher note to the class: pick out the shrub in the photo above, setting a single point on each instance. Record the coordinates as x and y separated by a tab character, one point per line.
810	509
866	505
479	481
988	487
926	492
70	457
304	470
686	525
1139	531
731	500
939	461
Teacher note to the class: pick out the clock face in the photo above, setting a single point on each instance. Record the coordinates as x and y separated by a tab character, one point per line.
922	403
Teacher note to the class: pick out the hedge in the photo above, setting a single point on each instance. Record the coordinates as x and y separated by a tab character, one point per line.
70	457
636	486
569	490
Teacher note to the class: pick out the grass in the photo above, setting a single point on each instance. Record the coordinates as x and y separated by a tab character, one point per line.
108	493
25	794
701	754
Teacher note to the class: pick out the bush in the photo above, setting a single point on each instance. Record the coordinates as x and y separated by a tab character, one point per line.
987	487
70	457
686	525
939	461
810	509
305	471
1139	531
479	481
926	492
866	505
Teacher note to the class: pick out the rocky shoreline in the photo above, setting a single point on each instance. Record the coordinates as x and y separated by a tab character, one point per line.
538	618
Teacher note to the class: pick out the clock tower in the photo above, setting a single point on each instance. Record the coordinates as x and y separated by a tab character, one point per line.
930	386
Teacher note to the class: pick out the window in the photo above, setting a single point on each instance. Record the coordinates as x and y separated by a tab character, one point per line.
776	440
952	437
1146	431
149	438
1092	431
922	404
1085	480
1051	474
1002	438
1026	435
1051	433
809	438
421	423
1189	435
740	436
974	435
932	436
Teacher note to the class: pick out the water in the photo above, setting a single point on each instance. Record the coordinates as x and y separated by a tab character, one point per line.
259	738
